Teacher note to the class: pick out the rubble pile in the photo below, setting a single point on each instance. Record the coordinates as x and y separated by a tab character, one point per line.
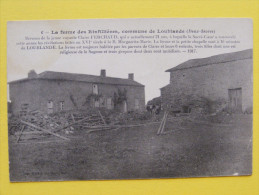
131	117
55	124
220	118
67	122
196	105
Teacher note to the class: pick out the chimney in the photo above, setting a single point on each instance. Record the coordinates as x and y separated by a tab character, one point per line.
103	73
32	74
131	76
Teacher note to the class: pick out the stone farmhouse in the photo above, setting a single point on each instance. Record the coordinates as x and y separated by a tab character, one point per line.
220	82
52	92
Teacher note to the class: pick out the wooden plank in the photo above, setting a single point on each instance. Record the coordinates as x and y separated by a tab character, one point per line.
102	129
77	122
121	126
39	142
102	117
23	127
137	125
163	127
44	130
73	118
114	126
33	132
160	127
161	124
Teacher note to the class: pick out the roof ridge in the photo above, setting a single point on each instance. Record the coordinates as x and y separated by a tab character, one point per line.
54	75
227	57
82	74
222	54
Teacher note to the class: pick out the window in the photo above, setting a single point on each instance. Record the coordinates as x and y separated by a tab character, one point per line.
95	89
186	109
136	104
235	100
109	103
24	109
96	103
61	105
50	106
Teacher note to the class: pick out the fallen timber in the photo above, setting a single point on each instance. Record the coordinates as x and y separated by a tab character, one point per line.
74	123
112	127
23	127
42	127
44	130
162	124
102	129
73	118
102	117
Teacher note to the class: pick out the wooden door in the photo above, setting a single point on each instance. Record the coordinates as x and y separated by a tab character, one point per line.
235	100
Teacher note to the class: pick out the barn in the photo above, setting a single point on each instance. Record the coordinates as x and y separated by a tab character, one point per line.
219	82
52	92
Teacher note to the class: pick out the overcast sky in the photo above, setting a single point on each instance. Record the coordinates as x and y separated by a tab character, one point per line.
149	69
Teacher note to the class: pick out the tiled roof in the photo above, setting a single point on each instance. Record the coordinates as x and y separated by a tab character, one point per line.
221	58
50	75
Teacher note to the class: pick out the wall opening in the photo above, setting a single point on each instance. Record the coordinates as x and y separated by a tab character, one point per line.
50	106
235	100
186	109
96	103
109	103
136	104
61	105
95	89
102	102
24	109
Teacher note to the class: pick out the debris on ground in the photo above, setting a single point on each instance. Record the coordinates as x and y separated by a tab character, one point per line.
36	125
61	124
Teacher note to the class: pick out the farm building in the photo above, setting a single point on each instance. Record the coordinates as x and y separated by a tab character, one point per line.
51	92
219	82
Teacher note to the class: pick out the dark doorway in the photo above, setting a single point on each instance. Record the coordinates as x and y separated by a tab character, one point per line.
186	109
235	100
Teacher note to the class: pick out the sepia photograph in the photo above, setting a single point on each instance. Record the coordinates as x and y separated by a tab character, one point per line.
102	99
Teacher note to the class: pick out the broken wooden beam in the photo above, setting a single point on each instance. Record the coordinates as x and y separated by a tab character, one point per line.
71	124
162	124
102	117
23	127
44	130
102	129
120	126
163	127
72	116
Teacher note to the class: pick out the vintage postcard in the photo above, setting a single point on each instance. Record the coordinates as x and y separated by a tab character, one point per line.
98	99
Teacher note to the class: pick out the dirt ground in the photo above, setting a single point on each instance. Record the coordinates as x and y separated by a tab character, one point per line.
187	149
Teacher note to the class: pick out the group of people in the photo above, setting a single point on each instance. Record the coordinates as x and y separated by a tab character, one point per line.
153	108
